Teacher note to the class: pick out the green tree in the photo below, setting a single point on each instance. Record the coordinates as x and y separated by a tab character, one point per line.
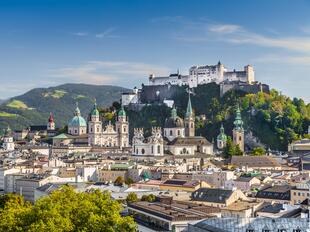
65	210
119	181
131	197
231	149
149	198
258	151
129	181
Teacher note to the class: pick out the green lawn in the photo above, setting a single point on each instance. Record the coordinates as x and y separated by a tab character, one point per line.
17	104
55	94
5	114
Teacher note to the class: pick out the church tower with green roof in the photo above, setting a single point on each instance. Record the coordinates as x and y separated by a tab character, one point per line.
189	119
122	128
238	131
221	138
94	127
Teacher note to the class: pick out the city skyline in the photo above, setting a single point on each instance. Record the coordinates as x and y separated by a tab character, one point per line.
46	43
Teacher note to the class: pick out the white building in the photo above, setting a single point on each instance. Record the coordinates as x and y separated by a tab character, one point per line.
153	145
8	142
110	135
130	97
199	75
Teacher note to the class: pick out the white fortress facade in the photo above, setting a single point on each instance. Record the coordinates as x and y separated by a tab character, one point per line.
199	75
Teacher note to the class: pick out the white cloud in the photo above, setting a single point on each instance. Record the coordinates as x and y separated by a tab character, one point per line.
225	28
236	34
80	34
107	72
284	59
108	33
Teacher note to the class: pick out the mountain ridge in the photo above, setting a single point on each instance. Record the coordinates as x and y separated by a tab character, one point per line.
34	106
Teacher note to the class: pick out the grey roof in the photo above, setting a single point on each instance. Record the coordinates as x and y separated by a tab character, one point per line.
242	224
211	195
254	161
196	140
278	192
49	187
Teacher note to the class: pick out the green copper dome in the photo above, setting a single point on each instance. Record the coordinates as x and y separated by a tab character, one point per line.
122	112
77	120
174	121
222	136
238	120
95	111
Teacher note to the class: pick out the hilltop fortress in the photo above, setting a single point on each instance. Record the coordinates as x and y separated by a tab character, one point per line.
162	88
199	75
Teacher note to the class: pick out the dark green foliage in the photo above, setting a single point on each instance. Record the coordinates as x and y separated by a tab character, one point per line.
258	151
231	149
131	197
149	198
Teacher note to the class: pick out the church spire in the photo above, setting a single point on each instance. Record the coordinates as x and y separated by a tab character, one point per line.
189	109
238	120
77	111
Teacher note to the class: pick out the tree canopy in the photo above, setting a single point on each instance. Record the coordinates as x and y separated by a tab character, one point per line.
64	210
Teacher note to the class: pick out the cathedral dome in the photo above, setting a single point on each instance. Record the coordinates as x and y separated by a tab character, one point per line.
77	120
174	121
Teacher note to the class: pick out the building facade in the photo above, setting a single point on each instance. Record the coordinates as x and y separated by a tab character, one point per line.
205	74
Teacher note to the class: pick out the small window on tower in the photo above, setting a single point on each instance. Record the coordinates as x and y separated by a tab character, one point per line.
124	129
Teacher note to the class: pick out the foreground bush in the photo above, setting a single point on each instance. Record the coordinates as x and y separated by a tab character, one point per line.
64	210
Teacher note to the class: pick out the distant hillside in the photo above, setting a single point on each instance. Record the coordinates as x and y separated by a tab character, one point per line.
33	107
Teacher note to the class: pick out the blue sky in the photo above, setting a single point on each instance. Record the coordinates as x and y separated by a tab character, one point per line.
46	43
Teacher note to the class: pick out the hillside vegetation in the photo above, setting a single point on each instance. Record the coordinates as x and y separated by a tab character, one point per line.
33	107
274	119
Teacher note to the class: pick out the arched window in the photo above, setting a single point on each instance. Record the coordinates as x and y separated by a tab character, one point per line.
240	138
179	133
152	149
143	151
124	129
192	125
184	150
158	149
137	151
170	132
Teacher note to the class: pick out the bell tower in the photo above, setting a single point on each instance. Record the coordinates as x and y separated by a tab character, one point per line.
122	128
51	123
94	127
189	119
238	131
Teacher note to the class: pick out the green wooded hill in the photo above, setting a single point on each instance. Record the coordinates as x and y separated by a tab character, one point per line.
33	107
274	119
